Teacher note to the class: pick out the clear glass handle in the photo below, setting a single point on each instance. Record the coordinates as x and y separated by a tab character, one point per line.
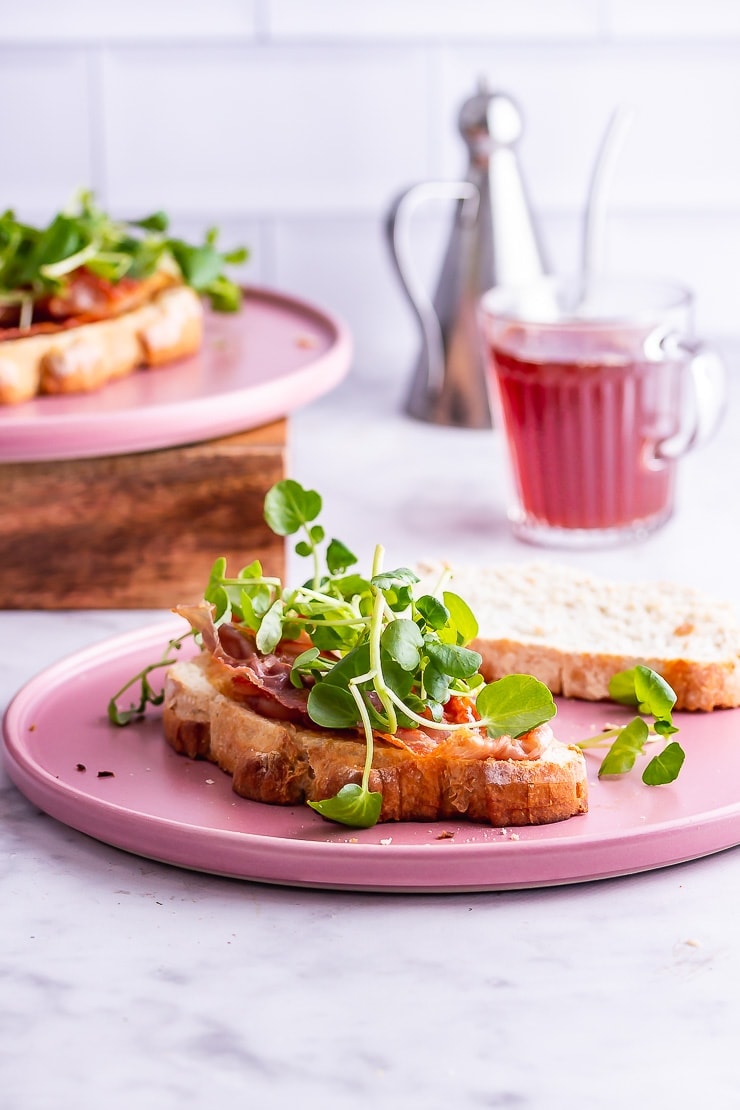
708	395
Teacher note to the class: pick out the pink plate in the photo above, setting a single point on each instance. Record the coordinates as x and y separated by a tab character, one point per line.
127	788
255	366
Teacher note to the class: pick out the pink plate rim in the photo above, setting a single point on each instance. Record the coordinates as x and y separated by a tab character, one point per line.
293	848
58	435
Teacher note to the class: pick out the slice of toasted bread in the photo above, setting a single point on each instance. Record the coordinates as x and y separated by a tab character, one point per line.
574	631
282	763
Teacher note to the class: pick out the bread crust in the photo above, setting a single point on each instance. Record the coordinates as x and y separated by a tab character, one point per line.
284	764
574	631
86	357
698	685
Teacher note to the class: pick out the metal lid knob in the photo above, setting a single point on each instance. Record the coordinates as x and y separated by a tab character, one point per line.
488	120
493	240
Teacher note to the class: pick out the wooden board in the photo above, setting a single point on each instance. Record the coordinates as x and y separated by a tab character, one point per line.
137	531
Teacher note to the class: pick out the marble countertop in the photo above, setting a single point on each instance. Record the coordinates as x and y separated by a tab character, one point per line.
132	983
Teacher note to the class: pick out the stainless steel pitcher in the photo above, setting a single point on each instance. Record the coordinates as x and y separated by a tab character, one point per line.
494	241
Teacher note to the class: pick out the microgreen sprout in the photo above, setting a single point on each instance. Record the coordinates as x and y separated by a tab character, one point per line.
381	660
642	687
378	658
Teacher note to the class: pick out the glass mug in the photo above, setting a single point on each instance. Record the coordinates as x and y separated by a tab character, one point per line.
599	391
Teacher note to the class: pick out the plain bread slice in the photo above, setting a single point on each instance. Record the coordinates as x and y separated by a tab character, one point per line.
573	630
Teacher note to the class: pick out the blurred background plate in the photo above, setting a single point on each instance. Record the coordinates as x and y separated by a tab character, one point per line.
275	355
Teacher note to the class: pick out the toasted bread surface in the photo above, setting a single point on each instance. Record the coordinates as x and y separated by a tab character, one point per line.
574	631
282	763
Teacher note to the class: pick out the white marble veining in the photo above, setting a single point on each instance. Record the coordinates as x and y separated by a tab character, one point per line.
130	983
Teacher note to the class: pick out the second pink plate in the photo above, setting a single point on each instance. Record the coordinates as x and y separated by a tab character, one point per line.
273	356
126	787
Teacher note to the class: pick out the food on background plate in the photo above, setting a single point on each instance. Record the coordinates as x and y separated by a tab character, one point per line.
574	631
363	698
88	299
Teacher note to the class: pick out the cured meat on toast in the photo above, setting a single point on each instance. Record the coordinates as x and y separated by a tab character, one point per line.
284	763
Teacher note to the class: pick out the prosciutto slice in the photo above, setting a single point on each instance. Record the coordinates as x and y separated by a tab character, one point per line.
243	673
85	299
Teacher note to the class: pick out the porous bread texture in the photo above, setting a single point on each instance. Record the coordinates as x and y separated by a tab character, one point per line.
282	763
574	631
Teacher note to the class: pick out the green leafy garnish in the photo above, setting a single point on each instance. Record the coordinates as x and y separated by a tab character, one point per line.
651	694
288	509
37	262
625	749
353	805
515	704
147	694
665	766
380	659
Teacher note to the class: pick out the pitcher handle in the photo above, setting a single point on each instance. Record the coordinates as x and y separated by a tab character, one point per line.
398	229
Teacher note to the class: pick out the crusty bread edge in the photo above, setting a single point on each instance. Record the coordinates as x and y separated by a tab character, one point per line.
201	723
703	684
698	685
85	358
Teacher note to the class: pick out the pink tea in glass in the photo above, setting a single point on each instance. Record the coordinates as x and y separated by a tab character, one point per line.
591	398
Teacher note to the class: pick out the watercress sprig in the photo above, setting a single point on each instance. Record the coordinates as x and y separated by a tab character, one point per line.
644	688
36	262
379	658
395	660
289	508
355	803
147	694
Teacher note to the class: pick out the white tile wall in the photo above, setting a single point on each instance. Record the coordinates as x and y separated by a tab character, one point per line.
423	21
261	129
292	124
131	21
670	19
44	93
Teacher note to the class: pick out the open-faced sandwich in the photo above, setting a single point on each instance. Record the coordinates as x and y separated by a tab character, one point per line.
88	299
362	697
492	759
